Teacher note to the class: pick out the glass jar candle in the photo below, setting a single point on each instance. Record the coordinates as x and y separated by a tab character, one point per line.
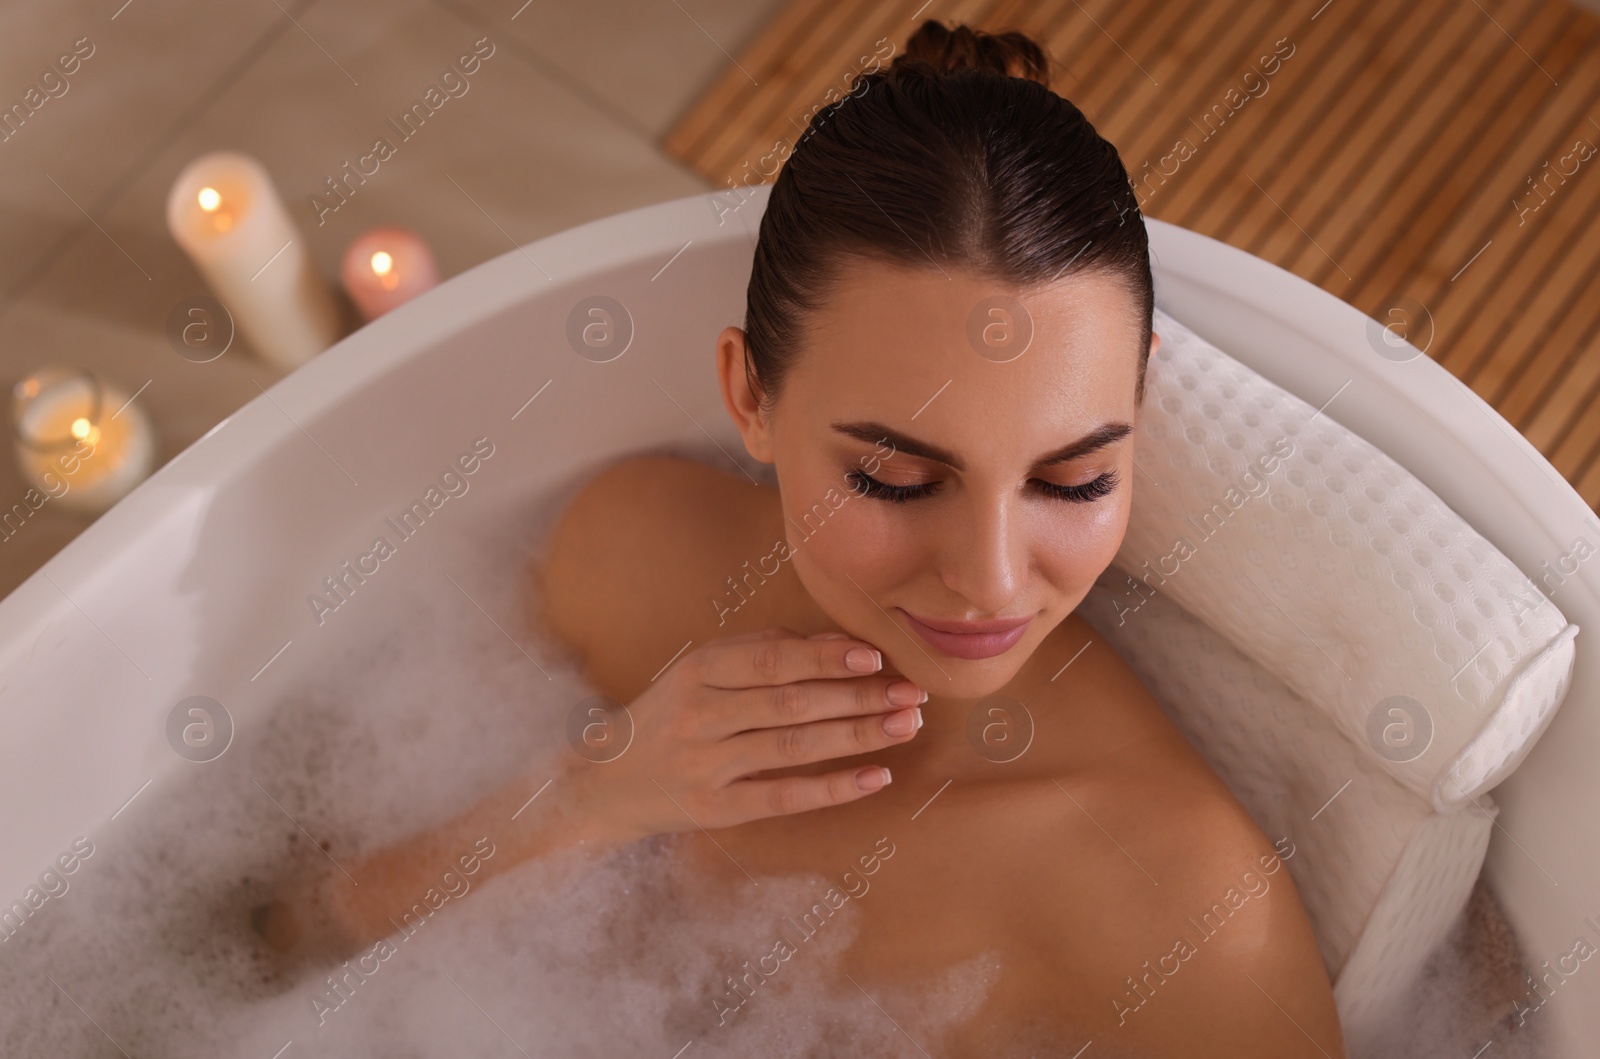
80	439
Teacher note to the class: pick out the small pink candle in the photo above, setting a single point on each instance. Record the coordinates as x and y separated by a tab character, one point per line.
385	267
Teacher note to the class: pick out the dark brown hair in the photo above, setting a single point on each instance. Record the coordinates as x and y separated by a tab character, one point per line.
959	153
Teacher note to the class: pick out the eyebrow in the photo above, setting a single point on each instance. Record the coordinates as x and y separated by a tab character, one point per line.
873	432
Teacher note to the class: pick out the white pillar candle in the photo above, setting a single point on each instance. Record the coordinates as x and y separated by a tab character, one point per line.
223	211
386	267
79	439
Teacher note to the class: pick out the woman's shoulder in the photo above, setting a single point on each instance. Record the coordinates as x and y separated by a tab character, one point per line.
634	563
1133	776
1175	899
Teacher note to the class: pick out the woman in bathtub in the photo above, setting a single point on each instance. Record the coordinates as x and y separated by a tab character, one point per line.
949	319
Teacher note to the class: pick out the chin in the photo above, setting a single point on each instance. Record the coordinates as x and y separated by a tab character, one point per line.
958	678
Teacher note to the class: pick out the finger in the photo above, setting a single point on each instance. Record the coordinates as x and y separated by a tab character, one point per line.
730	712
757	799
782	660
803	744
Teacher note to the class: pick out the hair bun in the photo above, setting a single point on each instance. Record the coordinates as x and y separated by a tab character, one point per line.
964	48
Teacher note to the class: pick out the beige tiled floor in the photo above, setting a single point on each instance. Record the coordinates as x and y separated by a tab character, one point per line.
560	126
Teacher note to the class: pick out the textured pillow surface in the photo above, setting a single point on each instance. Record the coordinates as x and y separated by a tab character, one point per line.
1337	571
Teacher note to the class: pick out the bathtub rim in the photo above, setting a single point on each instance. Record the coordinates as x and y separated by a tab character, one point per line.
1409	408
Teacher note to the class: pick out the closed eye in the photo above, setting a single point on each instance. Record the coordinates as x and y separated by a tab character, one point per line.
870	488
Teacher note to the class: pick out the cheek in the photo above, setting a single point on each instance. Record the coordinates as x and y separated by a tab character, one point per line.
1106	528
860	541
853	561
1074	545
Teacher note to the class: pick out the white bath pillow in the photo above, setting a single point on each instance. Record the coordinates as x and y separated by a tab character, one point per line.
1382	875
1336	570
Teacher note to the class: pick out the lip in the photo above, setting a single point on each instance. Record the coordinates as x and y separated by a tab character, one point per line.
970	639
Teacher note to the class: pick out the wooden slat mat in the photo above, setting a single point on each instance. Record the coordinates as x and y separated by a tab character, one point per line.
1427	150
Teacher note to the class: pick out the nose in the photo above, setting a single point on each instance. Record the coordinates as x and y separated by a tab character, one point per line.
984	558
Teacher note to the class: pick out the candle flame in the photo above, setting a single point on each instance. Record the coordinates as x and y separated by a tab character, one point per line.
210	199
382	263
81	427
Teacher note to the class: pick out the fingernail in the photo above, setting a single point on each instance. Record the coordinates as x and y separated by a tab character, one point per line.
904	693
863	660
919	711
899	723
867	778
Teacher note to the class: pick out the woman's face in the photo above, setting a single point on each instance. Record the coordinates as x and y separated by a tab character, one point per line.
909	382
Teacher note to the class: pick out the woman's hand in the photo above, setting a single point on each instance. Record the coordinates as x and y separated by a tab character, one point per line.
702	734
740	706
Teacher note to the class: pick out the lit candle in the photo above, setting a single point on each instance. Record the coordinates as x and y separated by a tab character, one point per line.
79	439
223	211
385	267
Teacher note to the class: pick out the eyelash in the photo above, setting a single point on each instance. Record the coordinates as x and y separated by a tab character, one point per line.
873	489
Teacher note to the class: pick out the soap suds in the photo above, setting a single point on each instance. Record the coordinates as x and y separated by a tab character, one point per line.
427	707
1464	1000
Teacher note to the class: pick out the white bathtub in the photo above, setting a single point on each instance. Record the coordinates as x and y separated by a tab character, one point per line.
197	583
